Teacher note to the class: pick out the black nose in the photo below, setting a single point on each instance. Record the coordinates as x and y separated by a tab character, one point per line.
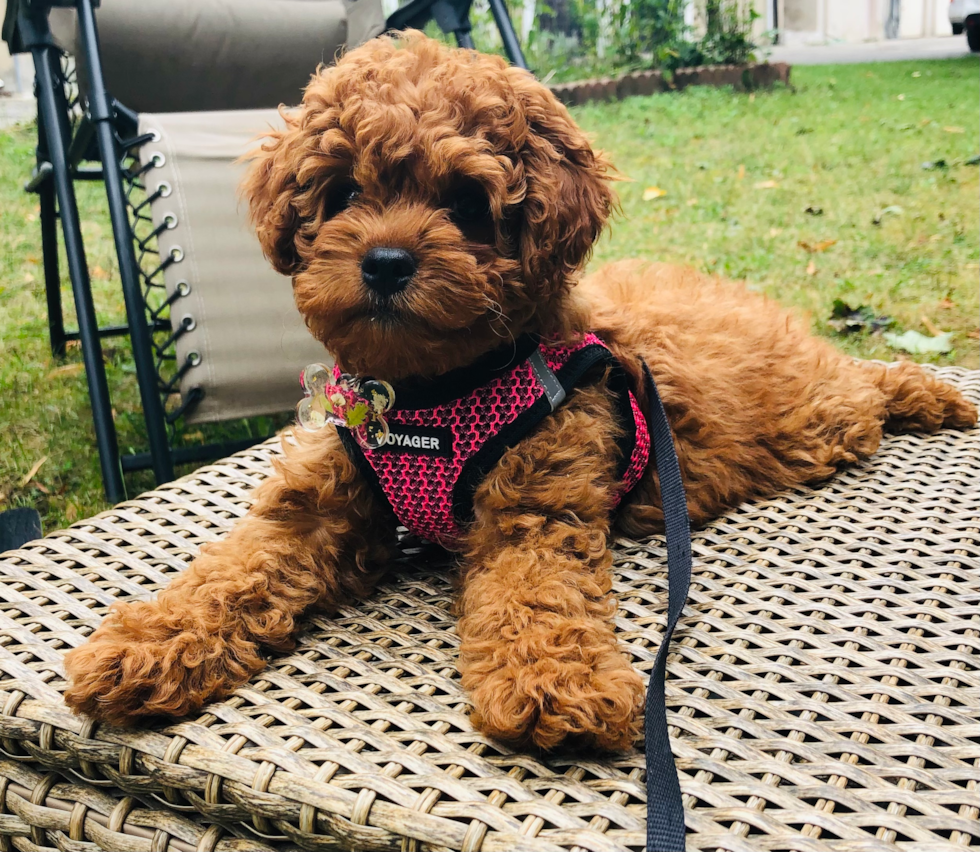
387	270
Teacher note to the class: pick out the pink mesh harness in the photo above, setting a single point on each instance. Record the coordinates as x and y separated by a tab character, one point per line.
445	438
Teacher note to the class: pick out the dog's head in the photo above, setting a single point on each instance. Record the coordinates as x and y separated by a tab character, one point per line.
429	204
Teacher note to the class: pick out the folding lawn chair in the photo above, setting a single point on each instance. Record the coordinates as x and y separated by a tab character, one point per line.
214	332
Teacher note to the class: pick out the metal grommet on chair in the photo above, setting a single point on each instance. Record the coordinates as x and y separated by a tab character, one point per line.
155	135
164	189
176	254
170	220
158	159
194	358
183	288
188	323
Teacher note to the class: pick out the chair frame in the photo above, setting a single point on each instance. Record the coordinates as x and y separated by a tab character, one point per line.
98	140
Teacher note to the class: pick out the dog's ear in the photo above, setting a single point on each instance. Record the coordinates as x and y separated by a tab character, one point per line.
270	188
568	200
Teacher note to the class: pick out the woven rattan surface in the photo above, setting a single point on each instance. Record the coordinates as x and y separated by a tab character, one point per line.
824	690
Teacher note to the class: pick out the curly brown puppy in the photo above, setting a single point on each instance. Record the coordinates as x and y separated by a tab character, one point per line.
434	208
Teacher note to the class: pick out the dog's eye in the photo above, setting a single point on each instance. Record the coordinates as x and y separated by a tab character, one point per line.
470	205
470	211
340	198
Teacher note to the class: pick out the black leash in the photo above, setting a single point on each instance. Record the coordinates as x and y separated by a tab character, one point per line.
665	808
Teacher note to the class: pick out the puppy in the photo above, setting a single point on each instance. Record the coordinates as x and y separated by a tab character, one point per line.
434	208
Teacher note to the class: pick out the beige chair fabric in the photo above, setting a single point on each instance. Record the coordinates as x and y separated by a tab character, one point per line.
189	55
247	334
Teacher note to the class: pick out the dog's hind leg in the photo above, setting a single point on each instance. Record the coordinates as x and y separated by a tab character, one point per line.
916	401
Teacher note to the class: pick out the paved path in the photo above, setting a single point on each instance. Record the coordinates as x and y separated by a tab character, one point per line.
944	47
16	109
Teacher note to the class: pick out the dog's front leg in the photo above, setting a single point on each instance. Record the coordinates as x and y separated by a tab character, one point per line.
538	652
310	538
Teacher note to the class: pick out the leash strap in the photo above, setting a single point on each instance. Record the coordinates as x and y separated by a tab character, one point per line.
665	808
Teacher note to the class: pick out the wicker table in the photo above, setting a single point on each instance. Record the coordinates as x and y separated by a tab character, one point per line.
824	693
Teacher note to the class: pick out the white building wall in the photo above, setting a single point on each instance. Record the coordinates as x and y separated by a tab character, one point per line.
829	21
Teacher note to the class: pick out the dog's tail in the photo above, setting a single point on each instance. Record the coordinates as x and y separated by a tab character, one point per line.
916	401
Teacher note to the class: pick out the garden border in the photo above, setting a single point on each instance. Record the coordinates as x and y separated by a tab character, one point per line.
748	77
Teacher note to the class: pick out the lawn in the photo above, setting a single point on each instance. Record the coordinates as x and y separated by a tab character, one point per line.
852	185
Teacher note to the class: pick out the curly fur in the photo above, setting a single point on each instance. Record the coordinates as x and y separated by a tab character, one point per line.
756	403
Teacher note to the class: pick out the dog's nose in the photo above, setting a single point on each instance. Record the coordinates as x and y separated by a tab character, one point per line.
387	270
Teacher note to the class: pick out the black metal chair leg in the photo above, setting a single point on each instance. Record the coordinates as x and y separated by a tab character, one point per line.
53	110
100	111
512	46
49	252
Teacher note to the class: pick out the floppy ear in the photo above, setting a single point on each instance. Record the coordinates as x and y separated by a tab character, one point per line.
568	200
270	188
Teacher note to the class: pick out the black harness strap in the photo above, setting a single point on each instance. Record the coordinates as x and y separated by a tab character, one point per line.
665	808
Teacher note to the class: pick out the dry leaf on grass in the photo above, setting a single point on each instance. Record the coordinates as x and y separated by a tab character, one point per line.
811	268
33	470
946	304
816	248
767	184
954	129
100	274
741	171
653	192
975	334
66	370
931	327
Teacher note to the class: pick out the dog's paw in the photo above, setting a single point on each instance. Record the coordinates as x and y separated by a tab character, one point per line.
549	700
120	676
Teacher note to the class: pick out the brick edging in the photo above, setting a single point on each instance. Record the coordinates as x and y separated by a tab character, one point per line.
754	75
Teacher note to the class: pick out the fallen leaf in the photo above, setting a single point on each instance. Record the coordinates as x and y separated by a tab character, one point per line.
811	268
653	192
30	217
901	97
65	370
845	319
741	171
930	326
767	184
33	470
32	259
775	232
946	304
916	343
28	278
71	512
100	274
890	210
816	248
916	74
41	488
975	334
950	129
691	202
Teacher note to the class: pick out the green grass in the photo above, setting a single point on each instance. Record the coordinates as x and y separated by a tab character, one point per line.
739	173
